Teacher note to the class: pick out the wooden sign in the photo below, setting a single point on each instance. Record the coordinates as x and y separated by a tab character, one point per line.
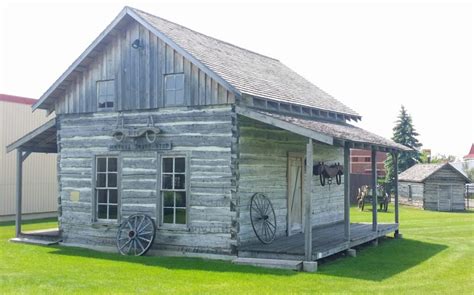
141	146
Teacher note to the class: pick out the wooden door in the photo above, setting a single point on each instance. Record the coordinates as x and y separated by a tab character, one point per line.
295	194
444	198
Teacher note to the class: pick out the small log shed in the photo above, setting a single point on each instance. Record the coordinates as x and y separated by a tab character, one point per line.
228	123
437	186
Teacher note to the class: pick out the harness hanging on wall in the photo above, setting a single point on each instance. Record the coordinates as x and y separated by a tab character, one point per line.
327	173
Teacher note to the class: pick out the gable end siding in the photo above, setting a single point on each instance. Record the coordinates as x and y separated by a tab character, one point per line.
139	76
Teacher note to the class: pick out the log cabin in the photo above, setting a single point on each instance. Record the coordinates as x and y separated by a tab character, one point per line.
215	143
438	187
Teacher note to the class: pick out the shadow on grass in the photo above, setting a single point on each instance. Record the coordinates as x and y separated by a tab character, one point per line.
178	263
390	258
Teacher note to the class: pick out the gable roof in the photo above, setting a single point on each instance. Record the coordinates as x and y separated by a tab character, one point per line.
420	172
239	70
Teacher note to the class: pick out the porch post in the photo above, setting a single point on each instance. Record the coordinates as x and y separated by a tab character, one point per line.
308	229
395	168
374	190
19	175
347	190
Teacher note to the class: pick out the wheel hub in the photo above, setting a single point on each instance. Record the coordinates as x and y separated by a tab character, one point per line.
132	234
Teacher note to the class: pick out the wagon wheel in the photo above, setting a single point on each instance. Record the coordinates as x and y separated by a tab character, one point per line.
136	235
263	218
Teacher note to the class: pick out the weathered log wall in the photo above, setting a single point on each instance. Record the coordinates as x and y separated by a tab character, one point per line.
262	164
417	195
204	135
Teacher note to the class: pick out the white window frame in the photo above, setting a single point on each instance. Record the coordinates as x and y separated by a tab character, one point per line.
108	204
172	101
109	97
163	190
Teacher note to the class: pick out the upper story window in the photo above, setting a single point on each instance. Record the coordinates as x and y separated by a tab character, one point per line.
106	188
105	94
174	89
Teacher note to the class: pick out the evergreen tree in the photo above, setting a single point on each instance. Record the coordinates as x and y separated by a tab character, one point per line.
403	133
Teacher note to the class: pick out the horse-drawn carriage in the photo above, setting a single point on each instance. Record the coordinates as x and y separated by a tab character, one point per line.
365	195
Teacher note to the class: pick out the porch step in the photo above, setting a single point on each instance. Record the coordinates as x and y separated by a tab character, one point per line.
270	263
34	241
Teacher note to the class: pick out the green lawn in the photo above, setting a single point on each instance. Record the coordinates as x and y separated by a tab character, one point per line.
436	255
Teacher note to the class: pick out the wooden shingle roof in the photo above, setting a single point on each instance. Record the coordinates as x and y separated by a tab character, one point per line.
248	72
327	131
239	70
420	172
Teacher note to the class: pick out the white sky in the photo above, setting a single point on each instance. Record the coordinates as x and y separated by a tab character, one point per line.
372	56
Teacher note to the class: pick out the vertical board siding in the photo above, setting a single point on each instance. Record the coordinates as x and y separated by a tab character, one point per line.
263	160
139	76
203	135
39	170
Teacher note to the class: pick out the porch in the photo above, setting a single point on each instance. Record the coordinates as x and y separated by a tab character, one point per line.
326	241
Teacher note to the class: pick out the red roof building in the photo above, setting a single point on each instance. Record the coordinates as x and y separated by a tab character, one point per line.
17	99
471	153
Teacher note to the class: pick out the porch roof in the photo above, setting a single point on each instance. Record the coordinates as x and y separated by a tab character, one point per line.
333	133
40	140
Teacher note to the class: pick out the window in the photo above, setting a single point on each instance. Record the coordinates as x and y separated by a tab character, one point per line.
174	89
173	186
105	94
355	159
106	188
368	159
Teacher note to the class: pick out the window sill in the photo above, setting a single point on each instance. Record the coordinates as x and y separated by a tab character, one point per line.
174	227
105	224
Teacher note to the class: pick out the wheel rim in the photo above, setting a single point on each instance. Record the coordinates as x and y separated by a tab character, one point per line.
263	218
136	235
119	136
150	136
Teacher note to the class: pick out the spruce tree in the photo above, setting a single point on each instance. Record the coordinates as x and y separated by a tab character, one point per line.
403	133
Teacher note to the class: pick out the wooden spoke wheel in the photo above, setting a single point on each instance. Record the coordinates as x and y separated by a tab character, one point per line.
263	218
136	235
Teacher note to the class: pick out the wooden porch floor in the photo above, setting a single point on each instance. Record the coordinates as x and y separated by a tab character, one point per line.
327	240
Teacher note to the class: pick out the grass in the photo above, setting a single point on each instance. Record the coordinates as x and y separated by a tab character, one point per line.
436	256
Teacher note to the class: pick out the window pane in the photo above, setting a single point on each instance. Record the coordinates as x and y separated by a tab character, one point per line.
109	104
179	165
170	97
179	81
102	196
113	212
110	88
167	181
169	82
179	181
101	180
101	164
168	199
168	215
180	216
113	196
113	164
180	199
102	212
167	164
112	180
179	97
101	88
